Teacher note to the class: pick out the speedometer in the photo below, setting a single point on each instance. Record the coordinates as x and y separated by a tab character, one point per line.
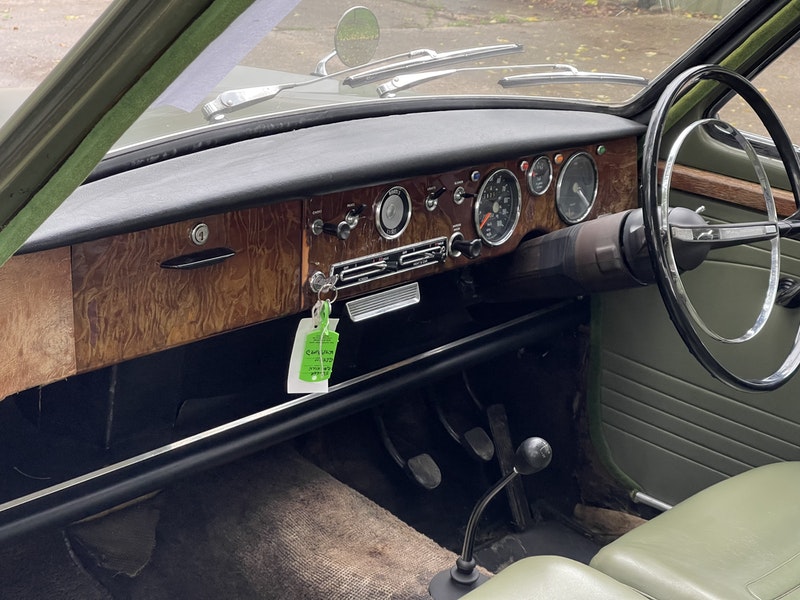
497	207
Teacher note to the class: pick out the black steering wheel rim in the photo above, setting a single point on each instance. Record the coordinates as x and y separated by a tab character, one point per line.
655	229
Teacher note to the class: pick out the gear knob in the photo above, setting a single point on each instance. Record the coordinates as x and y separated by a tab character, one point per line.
532	456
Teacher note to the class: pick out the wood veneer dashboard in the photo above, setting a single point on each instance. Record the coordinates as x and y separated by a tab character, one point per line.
74	309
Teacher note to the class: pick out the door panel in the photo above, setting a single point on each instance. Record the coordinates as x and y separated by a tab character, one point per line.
665	423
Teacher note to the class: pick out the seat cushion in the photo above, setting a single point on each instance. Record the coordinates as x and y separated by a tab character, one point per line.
551	578
737	539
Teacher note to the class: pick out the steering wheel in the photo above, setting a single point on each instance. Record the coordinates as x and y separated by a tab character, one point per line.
663	236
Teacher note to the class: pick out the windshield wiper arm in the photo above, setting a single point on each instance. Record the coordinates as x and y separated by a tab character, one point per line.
571	77
427	59
404	82
233	100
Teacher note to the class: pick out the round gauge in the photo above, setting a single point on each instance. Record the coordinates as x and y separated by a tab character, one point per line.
539	175
393	212
577	188
497	207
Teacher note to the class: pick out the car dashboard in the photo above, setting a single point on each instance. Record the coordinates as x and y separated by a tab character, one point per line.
153	265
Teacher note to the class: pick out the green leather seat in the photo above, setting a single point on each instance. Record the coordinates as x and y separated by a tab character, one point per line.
738	539
551	578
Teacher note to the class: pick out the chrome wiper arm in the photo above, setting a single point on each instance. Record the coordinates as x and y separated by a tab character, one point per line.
234	100
404	82
571	77
425	59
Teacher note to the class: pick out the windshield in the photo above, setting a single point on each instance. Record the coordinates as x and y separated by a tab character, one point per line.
292	55
634	38
288	55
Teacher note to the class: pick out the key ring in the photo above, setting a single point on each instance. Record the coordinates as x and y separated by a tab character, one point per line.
328	287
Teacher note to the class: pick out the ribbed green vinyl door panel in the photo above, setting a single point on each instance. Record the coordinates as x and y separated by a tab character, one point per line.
667	424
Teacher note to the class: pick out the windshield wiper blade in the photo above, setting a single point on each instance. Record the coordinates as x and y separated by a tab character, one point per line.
404	82
427	59
571	77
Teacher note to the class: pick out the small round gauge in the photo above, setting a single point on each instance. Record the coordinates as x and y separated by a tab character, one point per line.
497	207
539	175
393	212
577	188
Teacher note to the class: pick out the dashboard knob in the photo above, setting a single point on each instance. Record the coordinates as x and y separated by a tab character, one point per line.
469	248
340	230
459	194
352	216
436	194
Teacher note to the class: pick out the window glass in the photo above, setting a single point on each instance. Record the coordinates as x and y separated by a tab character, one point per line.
615	46
599	51
779	85
36	35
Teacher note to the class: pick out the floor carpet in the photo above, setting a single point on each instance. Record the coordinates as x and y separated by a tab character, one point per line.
270	526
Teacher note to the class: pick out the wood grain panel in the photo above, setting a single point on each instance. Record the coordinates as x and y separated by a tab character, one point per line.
617	168
36	320
729	189
126	305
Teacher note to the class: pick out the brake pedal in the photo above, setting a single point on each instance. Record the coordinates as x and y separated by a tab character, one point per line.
421	469
424	470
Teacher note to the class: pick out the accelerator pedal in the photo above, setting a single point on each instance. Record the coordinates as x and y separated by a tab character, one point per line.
501	432
475	441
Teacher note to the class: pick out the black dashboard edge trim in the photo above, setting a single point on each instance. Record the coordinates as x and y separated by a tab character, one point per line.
226	133
347	156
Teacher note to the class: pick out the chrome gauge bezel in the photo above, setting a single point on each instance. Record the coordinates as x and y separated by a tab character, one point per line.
391	233
478	214
563	194
532	173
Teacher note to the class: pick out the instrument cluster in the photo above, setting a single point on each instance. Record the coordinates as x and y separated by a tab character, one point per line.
445	220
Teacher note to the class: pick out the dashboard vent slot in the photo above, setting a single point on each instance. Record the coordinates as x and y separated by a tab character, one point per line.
391	262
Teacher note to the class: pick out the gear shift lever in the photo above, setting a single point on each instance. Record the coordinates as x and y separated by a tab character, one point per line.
532	456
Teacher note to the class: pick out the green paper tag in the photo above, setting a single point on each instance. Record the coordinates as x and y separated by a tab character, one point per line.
319	349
